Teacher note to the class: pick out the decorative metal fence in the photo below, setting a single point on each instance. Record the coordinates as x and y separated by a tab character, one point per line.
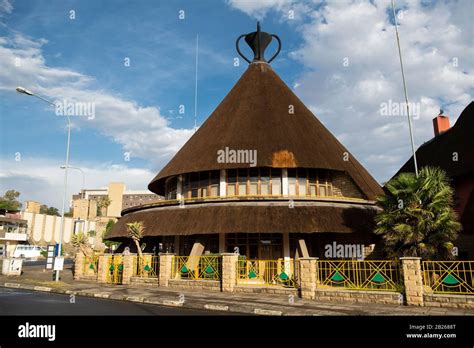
91	265
206	267
114	269
267	272
449	277
146	267
360	274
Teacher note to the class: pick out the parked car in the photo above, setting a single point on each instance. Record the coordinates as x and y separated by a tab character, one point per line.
28	251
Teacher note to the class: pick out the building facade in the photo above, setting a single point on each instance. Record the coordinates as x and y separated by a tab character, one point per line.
85	203
452	149
262	177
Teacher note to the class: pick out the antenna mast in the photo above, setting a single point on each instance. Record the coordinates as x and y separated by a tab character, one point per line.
196	84
405	90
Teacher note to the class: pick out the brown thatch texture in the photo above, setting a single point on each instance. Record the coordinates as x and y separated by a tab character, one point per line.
248	219
439	150
255	115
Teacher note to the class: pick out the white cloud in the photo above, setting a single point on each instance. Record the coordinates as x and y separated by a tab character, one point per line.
347	98
6	7
142	130
38	178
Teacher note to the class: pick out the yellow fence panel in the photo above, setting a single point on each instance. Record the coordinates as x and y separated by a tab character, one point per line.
114	269
146	267
267	272
449	277
359	274
197	267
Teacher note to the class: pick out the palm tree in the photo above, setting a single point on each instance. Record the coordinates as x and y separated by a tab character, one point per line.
418	218
103	204
80	242
135	231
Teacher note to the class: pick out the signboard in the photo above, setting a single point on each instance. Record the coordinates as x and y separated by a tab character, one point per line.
58	263
50	257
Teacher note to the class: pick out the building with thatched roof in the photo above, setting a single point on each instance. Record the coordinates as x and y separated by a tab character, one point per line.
452	149
262	176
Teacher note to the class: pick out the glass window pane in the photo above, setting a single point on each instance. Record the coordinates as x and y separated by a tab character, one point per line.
312	190
264	182
231	175
276	181
214	190
302	186
242	182
292	186
231	190
322	190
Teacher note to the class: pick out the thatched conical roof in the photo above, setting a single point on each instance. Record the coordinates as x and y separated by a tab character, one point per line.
261	113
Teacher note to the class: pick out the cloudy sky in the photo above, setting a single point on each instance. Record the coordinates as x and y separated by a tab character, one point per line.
136	62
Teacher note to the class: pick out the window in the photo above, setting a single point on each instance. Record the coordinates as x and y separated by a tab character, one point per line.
253	181
193	183
276	181
214	184
231	182
301	182
242	179
292	182
203	184
264	181
312	182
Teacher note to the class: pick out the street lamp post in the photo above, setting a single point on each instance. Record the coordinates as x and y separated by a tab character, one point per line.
83	177
61	227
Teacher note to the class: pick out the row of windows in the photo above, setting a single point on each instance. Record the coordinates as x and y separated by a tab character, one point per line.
252	182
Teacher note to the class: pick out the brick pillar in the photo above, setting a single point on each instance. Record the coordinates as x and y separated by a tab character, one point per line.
166	263
78	265
103	268
128	264
308	276
229	271
413	280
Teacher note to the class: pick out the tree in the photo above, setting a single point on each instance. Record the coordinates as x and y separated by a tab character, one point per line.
80	242
103	204
44	209
108	228
9	201
418	218
135	231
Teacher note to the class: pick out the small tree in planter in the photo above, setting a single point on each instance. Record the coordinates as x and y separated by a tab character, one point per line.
135	232
80	243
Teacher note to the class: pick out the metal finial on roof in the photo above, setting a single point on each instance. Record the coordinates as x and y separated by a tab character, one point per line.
258	42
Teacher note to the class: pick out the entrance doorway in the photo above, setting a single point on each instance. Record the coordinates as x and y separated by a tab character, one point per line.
262	246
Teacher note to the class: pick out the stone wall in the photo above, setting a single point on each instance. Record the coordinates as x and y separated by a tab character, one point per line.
359	296
449	301
276	290
211	285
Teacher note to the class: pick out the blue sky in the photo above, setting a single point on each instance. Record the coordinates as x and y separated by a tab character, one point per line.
137	106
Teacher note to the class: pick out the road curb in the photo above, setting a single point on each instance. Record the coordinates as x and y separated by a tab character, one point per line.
251	310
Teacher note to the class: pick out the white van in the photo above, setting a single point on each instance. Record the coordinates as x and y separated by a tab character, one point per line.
27	251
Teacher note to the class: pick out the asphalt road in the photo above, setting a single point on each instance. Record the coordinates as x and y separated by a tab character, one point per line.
24	302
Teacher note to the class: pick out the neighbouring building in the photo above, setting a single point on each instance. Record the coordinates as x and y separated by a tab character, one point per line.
13	231
85	203
452	149
262	176
33	207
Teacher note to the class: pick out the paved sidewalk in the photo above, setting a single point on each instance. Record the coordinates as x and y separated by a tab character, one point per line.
263	304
